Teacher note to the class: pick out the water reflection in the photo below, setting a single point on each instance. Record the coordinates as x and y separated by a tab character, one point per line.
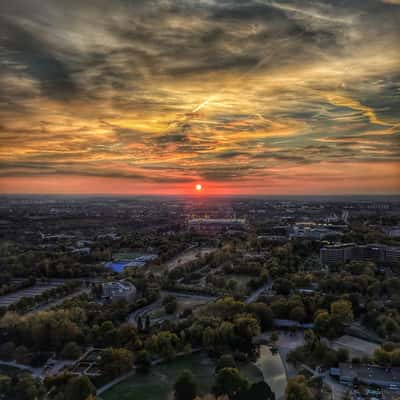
273	371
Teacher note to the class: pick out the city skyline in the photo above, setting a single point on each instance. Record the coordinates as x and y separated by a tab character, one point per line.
256	97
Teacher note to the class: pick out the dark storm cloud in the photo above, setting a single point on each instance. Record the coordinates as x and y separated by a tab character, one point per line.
173	138
28	52
231	154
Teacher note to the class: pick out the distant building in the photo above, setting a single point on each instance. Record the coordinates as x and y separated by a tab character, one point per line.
379	206
341	253
142	260
272	238
368	374
119	290
392	255
393	231
313	231
213	226
336	254
83	251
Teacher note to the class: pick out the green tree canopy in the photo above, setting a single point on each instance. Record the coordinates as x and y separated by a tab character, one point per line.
185	387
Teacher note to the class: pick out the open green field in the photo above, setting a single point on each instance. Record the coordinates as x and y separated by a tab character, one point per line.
158	384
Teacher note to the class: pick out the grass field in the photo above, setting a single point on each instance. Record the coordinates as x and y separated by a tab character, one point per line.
158	385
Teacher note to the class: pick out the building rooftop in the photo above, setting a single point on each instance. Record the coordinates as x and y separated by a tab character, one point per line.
119	286
371	372
339	245
217	221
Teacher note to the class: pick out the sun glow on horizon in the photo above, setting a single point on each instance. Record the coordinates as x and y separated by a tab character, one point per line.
199	187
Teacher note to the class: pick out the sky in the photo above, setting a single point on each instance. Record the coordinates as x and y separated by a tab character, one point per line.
243	97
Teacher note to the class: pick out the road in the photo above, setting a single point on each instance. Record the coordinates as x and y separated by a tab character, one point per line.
338	390
35	290
256	294
133	317
141	312
36	372
59	301
189	295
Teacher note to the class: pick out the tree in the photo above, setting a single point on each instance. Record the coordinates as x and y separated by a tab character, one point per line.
140	324
297	389
263	314
5	384
309	339
209	338
322	322
71	351
170	304
225	333
298	314
383	357
343	311
171	307
79	388
185	387
115	362
229	382
164	344
283	286
143	361
342	355
7	351
257	391
22	355
147	324
246	327
28	388
225	361
274	337
126	335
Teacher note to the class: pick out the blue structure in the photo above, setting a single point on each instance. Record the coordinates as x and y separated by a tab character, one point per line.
119	266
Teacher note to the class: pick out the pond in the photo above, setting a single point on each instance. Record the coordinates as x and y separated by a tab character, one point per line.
273	370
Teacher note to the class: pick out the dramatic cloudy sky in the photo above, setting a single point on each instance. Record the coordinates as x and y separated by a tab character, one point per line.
256	96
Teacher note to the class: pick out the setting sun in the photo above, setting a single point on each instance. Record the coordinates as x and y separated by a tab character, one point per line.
199	187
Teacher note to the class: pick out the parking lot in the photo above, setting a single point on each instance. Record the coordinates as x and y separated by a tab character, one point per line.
355	346
33	291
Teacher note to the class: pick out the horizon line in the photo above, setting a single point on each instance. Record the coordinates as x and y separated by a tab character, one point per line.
202	195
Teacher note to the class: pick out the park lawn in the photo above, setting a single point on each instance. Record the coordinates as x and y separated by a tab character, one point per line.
158	384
